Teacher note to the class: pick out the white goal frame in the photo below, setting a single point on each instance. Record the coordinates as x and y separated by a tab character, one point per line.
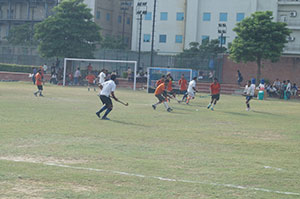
100	60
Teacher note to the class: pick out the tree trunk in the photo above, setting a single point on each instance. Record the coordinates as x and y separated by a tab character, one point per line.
258	70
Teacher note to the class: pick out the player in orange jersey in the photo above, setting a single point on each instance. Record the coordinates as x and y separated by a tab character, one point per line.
170	87
161	94
215	89
39	83
161	80
91	81
183	85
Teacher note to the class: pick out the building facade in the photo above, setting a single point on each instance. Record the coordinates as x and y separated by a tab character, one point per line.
17	12
179	22
114	17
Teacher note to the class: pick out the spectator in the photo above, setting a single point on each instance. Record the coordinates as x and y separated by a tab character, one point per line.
102	76
90	68
34	71
240	78
282	89
45	67
261	86
77	76
294	90
53	70
129	73
288	89
277	84
271	90
53	79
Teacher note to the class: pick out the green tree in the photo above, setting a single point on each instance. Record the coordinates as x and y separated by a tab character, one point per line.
70	32
22	35
259	38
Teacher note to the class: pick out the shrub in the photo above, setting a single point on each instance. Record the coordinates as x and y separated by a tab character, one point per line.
16	68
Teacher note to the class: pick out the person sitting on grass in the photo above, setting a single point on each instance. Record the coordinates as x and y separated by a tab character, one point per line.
294	90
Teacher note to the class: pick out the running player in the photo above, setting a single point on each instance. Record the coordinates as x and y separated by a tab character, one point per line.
191	90
215	89
249	92
161	94
39	83
107	88
102	76
170	87
161	80
183	86
91	81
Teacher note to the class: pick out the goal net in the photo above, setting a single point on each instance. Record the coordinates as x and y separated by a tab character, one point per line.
155	74
126	71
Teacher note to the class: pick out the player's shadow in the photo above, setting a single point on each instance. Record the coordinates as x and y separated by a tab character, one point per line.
265	113
236	113
128	123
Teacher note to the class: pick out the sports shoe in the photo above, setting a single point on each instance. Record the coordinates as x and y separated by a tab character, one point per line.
212	108
208	106
154	107
247	109
98	114
41	95
105	118
35	94
169	109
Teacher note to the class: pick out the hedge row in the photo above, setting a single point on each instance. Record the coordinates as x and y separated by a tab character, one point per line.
16	68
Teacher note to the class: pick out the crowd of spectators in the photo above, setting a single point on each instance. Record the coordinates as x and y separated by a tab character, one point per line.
282	90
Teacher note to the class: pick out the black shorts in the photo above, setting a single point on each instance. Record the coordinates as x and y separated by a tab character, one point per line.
182	92
248	98
160	98
216	97
40	87
106	100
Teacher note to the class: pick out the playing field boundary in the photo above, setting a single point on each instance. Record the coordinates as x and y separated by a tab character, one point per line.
151	177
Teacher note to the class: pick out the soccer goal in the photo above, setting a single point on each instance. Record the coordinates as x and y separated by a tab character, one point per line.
156	73
126	71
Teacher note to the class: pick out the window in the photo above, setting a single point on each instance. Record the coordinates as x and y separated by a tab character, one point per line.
163	16
240	16
107	16
180	16
162	38
126	40
146	38
148	16
206	16
223	40
119	19
98	15
205	38
128	20
178	39
223	16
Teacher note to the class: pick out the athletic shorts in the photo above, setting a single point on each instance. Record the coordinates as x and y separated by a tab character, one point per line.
105	100
191	94
216	97
248	98
172	92
182	92
160	98
40	87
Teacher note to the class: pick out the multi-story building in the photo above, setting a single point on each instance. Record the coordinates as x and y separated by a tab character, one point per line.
114	17
179	22
16	12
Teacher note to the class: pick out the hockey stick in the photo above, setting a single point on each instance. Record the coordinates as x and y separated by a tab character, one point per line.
125	104
204	96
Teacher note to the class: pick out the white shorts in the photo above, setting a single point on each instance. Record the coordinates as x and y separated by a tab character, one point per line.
191	94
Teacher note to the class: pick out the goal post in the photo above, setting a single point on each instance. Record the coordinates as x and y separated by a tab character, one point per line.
155	73
120	66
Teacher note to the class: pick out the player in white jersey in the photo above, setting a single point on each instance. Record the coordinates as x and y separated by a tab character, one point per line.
102	76
107	88
191	90
249	92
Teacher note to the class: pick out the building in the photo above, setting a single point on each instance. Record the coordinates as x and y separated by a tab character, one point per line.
179	22
114	17
17	12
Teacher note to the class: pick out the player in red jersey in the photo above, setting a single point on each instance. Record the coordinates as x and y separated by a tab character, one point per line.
215	89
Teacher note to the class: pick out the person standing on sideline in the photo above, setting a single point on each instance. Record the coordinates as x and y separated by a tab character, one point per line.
191	90
215	89
33	75
77	76
107	89
240	78
288	89
102	76
249	92
161	94
45	67
39	83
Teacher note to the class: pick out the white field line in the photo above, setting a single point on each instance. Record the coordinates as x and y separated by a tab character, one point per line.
153	177
274	168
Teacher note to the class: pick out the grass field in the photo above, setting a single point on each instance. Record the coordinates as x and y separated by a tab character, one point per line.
56	147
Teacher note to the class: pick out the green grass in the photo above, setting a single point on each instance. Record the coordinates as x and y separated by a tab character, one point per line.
227	146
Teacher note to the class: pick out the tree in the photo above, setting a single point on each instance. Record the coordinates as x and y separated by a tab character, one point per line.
22	35
259	38
70	32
